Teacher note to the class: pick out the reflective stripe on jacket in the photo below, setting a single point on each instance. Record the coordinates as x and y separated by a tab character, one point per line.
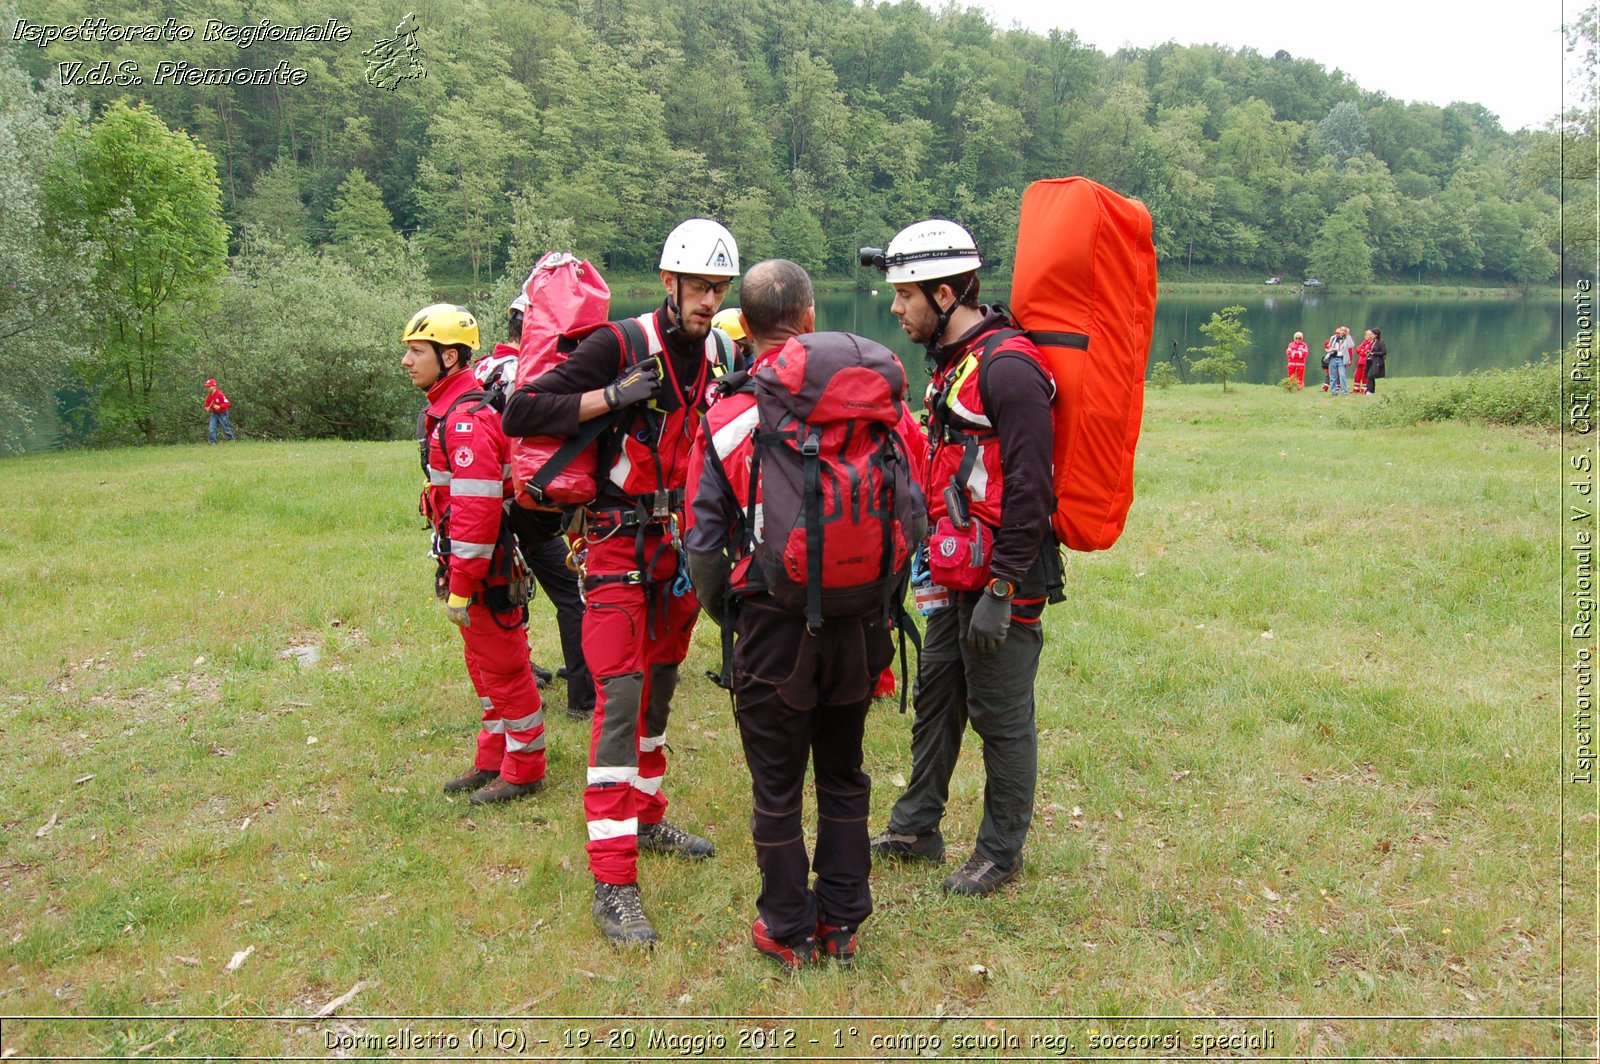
467	480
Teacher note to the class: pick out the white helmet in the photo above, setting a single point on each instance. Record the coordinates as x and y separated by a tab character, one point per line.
503	368
521	302
701	247
928	251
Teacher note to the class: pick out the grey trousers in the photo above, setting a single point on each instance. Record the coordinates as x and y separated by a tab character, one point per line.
956	685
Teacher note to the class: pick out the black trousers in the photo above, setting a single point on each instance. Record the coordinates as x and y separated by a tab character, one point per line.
547	560
956	686
804	697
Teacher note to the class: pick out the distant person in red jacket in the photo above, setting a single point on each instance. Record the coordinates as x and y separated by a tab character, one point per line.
216	405
1296	353
1362	385
466	458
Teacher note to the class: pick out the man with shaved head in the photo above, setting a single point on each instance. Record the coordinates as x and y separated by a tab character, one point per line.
802	687
776	303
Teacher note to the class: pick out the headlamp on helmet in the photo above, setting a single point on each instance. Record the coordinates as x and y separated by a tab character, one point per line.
927	251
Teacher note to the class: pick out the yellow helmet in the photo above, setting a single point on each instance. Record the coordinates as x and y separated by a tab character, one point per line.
445	324
728	321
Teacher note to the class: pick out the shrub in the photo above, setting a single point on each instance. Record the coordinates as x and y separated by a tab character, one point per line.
1527	395
1163	376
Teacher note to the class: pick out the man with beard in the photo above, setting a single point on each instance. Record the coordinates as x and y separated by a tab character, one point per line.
651	375
989	462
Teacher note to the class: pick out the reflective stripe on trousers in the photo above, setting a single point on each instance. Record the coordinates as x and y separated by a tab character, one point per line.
511	736
635	677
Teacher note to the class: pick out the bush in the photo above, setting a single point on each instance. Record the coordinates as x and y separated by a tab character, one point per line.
1527	395
307	345
1163	376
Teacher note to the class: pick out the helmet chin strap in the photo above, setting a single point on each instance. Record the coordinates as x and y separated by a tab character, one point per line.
445	371
674	306
930	289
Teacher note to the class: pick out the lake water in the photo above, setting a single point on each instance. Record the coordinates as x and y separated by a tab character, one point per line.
1426	338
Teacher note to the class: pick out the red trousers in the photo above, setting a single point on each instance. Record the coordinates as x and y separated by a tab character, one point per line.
1297	373
511	739
634	638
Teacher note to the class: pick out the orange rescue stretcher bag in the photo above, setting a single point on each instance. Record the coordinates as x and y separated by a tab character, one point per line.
1084	289
567	298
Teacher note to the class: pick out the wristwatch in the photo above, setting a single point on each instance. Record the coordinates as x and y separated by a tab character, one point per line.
1001	588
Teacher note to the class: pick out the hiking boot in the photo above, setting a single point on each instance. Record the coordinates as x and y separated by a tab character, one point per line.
620	915
580	713
503	791
837	942
471	780
786	955
667	837
542	678
900	846
980	876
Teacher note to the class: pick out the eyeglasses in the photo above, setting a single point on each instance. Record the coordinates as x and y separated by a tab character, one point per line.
698	287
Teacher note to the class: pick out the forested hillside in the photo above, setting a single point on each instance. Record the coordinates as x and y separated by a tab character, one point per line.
808	126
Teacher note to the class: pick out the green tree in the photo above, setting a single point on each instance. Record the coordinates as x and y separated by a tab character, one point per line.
359	221
274	207
149	199
1230	337
470	164
47	265
1342	254
1343	132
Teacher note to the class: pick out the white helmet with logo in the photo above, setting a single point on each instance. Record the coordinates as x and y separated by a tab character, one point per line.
702	248
929	250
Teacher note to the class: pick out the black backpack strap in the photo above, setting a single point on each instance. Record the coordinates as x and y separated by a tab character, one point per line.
422	438
990	343
635	348
573	446
907	629
444	420
1041	337
810	452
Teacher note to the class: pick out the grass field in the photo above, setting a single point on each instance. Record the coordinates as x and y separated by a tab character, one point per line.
1301	756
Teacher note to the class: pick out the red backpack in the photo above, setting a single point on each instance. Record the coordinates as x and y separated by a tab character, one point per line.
833	478
566	298
1084	288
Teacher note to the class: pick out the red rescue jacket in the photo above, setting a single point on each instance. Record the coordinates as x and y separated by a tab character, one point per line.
654	447
468	479
1296	352
216	402
956	419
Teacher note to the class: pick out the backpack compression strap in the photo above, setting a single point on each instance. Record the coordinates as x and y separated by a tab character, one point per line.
811	451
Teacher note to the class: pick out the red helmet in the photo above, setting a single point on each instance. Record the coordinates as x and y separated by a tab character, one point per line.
211	383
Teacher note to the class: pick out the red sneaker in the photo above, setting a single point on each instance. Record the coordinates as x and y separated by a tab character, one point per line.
837	942
792	957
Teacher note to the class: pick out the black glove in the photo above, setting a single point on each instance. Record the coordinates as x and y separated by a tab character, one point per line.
635	386
991	620
709	574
